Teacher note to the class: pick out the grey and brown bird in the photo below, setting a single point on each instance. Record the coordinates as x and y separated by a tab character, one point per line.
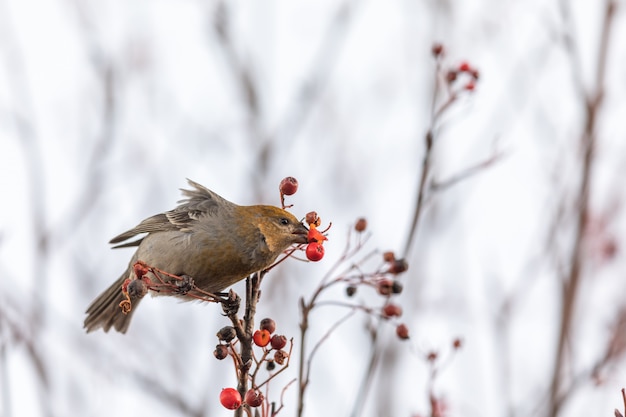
215	242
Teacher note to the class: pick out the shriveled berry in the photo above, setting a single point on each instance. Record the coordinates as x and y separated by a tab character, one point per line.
457	343
271	365
314	251
280	356
360	225
261	338
230	398
392	310
402	331
389	256
475	74
451	76
350	290
396	287
278	341
226	334
437	49
384	286
268	324
221	352
312	218
137	288
432	356
288	186
254	398
398	266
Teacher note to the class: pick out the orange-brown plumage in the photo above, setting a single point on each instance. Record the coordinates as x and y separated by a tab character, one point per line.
206	237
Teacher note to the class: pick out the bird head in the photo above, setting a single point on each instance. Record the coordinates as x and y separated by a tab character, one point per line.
280	228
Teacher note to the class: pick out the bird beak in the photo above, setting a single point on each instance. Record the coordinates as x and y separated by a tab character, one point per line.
300	233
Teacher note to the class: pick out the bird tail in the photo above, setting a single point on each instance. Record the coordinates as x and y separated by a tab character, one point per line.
105	310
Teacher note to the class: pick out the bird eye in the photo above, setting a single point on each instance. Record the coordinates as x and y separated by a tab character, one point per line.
284	221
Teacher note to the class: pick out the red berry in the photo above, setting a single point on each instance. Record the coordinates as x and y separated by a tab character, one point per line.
470	86
360	225
314	251
278	341
392	310
230	398
288	186
261	338
268	324
402	331
464	67
254	398
315	235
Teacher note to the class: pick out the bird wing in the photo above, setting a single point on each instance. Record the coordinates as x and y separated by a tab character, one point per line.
199	203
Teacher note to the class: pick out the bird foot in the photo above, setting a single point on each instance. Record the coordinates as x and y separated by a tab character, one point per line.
185	284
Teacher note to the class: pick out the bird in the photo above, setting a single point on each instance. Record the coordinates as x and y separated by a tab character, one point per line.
206	237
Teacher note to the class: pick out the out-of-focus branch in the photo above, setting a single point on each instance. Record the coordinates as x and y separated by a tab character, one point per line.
571	283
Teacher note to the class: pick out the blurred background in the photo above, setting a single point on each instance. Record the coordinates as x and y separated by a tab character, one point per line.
106	108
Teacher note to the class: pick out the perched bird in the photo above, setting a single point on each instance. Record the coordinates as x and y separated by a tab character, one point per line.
207	238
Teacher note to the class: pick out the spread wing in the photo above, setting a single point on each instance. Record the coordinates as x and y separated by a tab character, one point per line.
200	202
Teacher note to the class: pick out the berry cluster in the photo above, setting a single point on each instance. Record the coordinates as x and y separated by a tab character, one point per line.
463	74
384	281
314	250
272	354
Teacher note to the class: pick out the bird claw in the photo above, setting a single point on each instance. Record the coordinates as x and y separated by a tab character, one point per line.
185	284
230	303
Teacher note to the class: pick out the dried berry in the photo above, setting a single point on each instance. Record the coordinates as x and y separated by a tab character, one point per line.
389	256
384	286
137	288
280	356
254	398
268	324
288	186
271	365
457	343
402	331
437	50
314	251
312	218
396	287
392	310
398	266
230	398
261	338
451	76
278	341
360	225
350	290
221	352
226	334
